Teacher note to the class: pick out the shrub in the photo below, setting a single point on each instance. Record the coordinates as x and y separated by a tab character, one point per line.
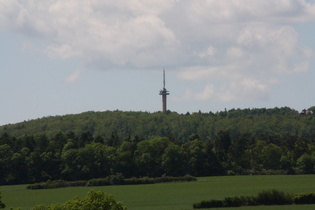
99	182
274	197
249	201
305	198
186	178
117	179
269	197
232	202
55	184
143	180
94	200
164	179
208	204
35	186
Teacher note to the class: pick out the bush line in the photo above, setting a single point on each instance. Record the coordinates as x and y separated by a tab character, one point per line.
268	197
117	179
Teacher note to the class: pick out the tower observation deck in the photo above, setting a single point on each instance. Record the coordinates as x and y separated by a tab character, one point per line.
164	93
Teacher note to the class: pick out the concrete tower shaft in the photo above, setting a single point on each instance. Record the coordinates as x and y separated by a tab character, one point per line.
164	93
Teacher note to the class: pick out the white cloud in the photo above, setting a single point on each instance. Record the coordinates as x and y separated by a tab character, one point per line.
73	77
210	51
239	44
244	89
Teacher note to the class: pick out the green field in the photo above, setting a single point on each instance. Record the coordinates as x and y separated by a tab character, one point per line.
169	195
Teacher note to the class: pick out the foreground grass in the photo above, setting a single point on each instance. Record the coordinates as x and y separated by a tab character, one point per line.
165	196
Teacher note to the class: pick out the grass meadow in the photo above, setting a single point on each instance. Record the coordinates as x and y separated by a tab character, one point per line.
167	196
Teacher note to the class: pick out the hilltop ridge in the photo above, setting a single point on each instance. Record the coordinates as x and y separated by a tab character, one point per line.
170	124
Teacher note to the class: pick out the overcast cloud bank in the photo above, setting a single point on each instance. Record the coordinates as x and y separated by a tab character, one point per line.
238	48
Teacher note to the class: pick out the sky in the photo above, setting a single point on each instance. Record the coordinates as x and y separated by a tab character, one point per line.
62	57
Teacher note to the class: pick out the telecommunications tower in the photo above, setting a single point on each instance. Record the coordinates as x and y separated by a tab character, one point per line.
164	93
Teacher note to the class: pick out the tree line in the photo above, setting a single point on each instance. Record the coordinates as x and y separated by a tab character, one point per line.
36	158
31	159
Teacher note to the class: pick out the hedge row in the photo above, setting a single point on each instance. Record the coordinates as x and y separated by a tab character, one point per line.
304	198
117	179
120	180
269	197
55	184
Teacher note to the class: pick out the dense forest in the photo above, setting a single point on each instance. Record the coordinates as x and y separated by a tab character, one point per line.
139	144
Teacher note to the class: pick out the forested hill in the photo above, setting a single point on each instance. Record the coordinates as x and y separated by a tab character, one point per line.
177	127
139	144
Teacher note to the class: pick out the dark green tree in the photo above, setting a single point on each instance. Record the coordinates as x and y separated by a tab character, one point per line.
148	156
173	160
5	163
306	163
125	163
213	165
222	145
195	155
240	151
2	205
271	156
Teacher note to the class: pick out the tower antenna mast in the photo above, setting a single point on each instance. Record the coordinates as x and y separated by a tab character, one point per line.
164	93
163	79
